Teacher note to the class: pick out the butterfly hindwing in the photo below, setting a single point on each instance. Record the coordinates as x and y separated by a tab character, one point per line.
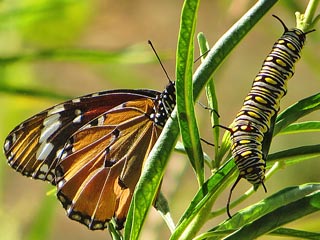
105	157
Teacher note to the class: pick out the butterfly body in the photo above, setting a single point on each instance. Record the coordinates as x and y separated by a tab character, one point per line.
93	149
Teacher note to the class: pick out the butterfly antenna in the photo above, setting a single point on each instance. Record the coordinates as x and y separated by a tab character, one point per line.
163	68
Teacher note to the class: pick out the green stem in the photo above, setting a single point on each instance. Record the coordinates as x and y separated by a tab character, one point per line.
306	21
197	222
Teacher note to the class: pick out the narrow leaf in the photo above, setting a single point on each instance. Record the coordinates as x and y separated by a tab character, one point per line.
294	155
212	101
293	233
296	111
302	127
185	101
267	205
283	215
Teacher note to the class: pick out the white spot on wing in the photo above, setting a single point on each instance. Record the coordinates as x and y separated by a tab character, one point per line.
87	221
44	168
61	198
51	119
74	216
77	119
41	176
101	121
77	112
60	185
44	151
69	210
56	109
86	126
51	125
10	158
7	145
14	137
76	100
58	153
63	155
50	177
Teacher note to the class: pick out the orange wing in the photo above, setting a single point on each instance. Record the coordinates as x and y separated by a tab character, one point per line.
102	163
93	148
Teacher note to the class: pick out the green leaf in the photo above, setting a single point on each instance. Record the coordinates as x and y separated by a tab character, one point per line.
281	159
287	232
294	155
185	100
162	206
292	208
296	111
114	233
252	215
302	127
267	205
212	101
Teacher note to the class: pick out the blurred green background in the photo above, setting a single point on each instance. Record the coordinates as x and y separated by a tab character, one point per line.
54	49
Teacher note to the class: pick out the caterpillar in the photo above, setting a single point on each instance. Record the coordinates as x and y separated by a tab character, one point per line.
262	103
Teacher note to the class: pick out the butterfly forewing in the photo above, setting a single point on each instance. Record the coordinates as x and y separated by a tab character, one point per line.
34	146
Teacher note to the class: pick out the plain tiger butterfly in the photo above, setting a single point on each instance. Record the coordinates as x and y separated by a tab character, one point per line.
93	149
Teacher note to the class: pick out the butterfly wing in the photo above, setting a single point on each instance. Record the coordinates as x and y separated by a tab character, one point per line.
102	162
93	148
34	146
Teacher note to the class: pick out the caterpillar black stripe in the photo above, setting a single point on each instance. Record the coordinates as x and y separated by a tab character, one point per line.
261	104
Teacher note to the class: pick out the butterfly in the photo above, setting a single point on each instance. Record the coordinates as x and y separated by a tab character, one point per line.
92	148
